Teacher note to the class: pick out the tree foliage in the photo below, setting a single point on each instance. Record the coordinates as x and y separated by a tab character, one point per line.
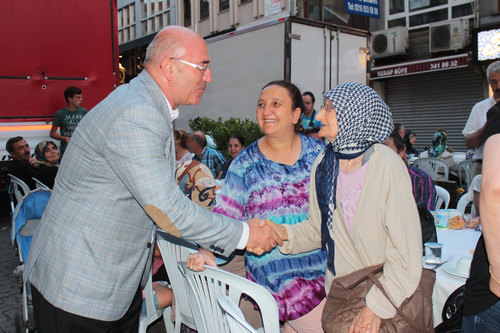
221	130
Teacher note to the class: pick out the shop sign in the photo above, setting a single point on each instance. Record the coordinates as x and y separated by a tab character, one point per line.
417	67
363	7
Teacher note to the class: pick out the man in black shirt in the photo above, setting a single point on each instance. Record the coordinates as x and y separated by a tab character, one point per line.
24	166
482	289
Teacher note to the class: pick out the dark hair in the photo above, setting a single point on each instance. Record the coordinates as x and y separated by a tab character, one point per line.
399	142
237	137
201	140
180	134
70	92
397	126
9	146
308	93
295	96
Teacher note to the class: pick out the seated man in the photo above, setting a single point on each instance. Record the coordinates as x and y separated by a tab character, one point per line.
197	144
24	166
422	186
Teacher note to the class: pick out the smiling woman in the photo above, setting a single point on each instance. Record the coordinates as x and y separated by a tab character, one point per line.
47	158
270	180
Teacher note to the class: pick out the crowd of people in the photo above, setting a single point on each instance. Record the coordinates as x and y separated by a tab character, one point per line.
324	194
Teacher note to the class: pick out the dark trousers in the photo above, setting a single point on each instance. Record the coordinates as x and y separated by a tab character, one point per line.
50	319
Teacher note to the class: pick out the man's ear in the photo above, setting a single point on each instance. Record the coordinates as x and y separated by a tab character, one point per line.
168	69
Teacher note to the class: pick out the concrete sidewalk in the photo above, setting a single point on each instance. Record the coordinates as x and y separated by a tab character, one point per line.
10	295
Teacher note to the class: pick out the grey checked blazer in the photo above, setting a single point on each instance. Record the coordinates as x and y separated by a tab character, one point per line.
93	246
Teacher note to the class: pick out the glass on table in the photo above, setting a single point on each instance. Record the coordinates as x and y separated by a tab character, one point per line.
433	253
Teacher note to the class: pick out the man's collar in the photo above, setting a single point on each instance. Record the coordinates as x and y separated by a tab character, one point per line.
174	114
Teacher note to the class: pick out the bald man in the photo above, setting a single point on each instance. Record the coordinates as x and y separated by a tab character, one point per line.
197	144
114	186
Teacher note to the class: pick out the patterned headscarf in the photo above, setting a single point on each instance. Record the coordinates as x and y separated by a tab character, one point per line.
40	153
363	119
438	144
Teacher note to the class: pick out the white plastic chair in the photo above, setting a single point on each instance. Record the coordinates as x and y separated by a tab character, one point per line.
173	250
207	285
442	196
234	317
465	171
39	184
152	313
434	166
19	186
464	201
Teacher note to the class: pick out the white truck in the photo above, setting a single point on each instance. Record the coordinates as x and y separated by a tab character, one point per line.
315	56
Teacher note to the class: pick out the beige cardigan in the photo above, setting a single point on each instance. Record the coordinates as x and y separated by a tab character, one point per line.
386	229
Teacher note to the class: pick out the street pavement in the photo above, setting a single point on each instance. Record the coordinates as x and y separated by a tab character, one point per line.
10	295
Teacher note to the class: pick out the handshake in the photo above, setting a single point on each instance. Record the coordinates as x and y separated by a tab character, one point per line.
264	236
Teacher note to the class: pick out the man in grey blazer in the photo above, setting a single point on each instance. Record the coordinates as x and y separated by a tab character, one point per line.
115	182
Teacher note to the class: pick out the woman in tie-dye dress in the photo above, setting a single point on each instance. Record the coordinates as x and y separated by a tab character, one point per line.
270	180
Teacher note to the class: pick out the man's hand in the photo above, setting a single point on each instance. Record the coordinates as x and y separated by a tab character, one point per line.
66	139
262	237
366	322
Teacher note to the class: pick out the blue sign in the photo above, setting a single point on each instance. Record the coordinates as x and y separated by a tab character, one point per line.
363	7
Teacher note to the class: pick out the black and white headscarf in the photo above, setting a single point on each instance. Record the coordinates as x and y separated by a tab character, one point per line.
363	119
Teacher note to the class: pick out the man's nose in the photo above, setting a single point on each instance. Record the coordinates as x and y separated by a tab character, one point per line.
207	76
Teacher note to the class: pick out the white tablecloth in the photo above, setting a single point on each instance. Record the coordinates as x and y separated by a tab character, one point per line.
457	243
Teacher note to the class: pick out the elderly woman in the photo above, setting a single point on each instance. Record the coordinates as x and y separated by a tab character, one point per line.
270	180
47	157
361	206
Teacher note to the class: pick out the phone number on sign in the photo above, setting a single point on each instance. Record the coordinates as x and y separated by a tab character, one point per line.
444	64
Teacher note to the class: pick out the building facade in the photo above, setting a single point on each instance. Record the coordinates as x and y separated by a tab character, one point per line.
424	62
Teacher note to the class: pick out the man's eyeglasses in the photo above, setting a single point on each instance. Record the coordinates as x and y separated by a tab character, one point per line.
202	69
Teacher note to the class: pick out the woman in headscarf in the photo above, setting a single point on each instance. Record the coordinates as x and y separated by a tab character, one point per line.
47	157
440	149
410	138
361	207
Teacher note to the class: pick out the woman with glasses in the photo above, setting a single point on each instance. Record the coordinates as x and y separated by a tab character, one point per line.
361	207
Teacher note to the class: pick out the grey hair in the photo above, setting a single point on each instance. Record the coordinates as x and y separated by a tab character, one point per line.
494	67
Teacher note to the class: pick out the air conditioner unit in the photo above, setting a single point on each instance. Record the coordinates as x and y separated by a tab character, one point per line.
449	35
386	43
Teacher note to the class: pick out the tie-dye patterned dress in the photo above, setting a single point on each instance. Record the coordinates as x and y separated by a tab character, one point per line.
258	187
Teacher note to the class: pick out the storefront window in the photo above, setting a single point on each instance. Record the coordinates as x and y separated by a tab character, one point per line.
397	23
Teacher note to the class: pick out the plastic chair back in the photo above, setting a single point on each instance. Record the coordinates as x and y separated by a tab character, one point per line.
20	188
234	317
437	168
442	197
465	173
207	285
173	250
152	313
464	201
39	184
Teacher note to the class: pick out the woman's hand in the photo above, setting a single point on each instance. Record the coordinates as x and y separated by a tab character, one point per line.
365	322
197	261
279	229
